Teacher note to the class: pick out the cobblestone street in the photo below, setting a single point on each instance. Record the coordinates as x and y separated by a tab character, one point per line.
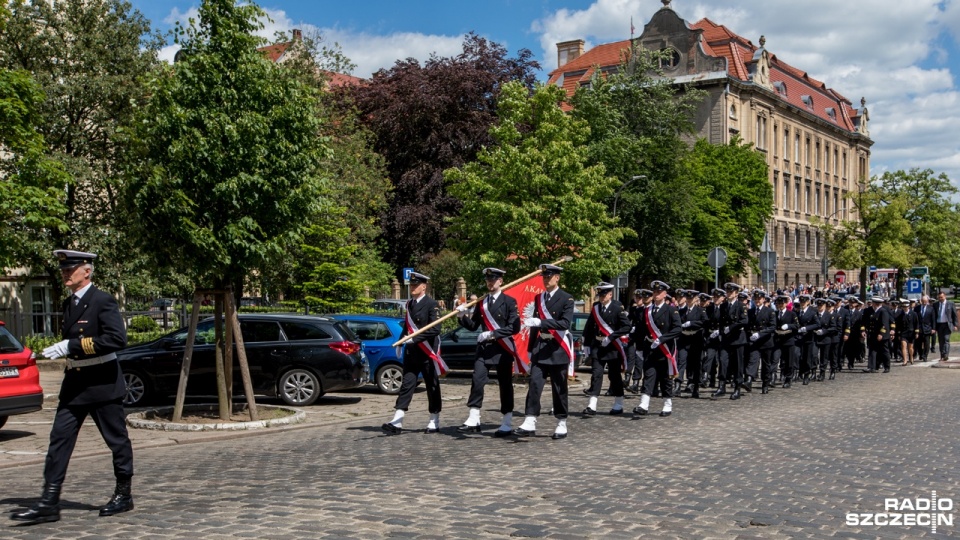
790	464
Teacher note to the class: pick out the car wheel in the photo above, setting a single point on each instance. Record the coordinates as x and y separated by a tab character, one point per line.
3	420
299	387
138	389
389	378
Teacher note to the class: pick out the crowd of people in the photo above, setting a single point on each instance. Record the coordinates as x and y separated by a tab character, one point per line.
666	343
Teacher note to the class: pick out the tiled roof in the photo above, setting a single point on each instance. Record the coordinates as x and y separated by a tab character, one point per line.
720	42
341	79
274	52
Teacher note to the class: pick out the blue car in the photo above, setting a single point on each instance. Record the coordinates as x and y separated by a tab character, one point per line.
378	334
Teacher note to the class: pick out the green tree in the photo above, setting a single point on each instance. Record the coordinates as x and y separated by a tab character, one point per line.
227	155
532	198
639	124
734	200
90	58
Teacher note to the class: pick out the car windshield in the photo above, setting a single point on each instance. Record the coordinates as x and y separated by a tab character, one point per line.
8	343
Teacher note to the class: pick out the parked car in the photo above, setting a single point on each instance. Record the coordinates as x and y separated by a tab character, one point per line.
378	334
20	391
389	304
297	358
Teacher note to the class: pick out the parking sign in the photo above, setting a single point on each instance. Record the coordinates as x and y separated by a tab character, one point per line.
406	275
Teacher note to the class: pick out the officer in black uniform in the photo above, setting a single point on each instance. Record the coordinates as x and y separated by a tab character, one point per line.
878	335
854	345
497	315
733	339
711	336
763	324
92	332
420	357
808	321
785	340
661	327
690	342
636	352
843	336
551	349
822	337
602	343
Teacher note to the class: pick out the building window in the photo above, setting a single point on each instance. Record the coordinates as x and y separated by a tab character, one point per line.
835	160
761	132
786	144
670	59
816	203
796	244
796	195
776	188
796	147
826	157
775	139
786	240
806	153
844	170
806	246
733	112
785	203
806	199
817	158
836	198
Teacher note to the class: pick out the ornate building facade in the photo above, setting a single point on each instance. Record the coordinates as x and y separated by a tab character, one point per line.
816	143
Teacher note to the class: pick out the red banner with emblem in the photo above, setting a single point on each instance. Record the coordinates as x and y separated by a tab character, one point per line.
526	296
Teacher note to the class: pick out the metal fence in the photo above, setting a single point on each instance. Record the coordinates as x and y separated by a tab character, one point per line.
47	323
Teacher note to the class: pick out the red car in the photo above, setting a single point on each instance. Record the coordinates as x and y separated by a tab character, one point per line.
20	390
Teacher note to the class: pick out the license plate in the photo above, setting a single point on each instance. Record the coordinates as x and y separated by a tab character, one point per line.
7	372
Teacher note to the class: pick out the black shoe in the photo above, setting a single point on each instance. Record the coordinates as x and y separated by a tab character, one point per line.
721	391
886	370
833	375
391	429
806	379
765	389
640	411
735	394
747	386
588	412
615	412
558	436
47	510
467	429
676	387
586	391
687	389
665	413
695	392
520	432
786	383
502	433
432	430
635	389
122	500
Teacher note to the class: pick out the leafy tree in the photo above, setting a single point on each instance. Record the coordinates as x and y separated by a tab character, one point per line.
639	122
532	197
31	192
428	118
446	268
735	201
90	58
226	158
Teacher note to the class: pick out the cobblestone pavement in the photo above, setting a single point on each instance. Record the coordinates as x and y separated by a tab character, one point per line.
790	464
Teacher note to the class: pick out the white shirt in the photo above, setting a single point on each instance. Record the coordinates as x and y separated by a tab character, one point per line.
79	294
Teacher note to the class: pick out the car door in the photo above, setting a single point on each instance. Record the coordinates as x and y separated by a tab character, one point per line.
458	348
165	362
264	343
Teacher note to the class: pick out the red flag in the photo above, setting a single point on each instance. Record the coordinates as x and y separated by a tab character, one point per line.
525	293
631	26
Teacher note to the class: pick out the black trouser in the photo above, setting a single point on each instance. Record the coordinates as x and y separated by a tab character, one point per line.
634	364
943	339
823	357
690	358
415	364
923	346
882	354
754	360
481	375
613	373
933	343
656	372
731	363
808	357
836	364
767	366
710	361
110	421
558	385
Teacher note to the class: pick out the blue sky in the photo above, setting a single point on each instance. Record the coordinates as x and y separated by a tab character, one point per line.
903	57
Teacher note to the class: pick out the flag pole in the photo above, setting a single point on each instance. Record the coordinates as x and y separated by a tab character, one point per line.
453	313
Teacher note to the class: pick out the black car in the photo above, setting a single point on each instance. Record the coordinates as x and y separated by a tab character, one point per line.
297	358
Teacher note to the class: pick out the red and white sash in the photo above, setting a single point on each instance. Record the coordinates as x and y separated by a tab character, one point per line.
519	365
438	364
652	327
562	336
606	331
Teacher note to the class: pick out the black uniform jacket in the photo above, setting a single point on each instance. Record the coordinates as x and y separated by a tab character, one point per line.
711	324
697	317
423	312
828	323
542	347
733	315
785	337
763	322
94	327
880	325
618	321
928	318
808	318
667	321
504	312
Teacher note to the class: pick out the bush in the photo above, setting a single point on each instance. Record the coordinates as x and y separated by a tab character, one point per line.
143	323
37	342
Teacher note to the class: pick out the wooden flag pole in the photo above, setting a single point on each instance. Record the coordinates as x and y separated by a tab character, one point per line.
454	313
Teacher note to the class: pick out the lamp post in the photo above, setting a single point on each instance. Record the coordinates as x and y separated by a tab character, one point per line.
616	196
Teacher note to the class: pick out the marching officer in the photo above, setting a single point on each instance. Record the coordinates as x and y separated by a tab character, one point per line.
808	321
499	318
607	323
878	336
843	336
636	351
712	339
551	351
763	324
690	342
661	326
733	339
93	385
854	346
421	356
785	340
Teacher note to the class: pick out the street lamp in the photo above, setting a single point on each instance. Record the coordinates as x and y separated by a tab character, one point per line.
616	196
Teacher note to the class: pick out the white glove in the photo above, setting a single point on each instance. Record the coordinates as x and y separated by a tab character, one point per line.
819	332
462	308
803	330
755	336
586	351
485	336
714	334
532	322
633	329
783	327
726	329
685	325
57	350
655	344
399	350
605	341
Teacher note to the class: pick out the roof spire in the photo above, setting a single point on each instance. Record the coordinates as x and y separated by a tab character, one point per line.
763	41
666	3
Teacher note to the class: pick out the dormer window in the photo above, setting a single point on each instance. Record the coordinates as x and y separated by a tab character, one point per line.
670	59
781	88
832	113
733	112
807	100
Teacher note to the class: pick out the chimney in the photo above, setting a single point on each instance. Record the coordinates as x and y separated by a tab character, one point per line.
568	51
297	34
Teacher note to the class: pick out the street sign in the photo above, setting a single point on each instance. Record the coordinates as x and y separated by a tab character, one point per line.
406	275
717	257
918	271
914	286
840	276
